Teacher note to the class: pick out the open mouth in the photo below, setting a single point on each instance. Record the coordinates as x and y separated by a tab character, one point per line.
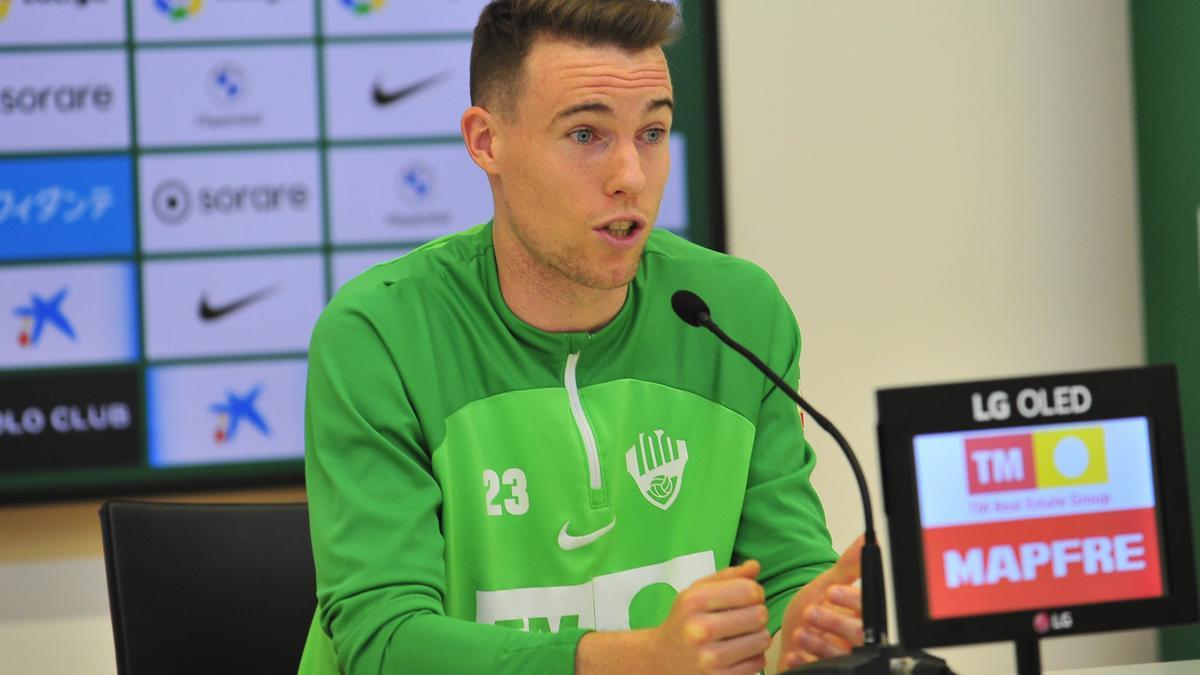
621	229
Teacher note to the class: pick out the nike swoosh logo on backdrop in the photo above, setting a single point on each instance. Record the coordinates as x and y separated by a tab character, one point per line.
568	542
383	97
209	312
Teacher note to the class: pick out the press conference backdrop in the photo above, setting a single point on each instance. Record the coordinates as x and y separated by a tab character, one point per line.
185	183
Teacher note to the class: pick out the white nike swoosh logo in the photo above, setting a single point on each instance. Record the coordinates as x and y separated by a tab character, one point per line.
568	542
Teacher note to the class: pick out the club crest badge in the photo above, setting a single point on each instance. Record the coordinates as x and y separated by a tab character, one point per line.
656	463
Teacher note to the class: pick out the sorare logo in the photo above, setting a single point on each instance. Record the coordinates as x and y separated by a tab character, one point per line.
1042	459
43	311
178	10
236	409
363	7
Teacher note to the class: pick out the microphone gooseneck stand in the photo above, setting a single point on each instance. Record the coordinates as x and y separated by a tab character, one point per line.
875	656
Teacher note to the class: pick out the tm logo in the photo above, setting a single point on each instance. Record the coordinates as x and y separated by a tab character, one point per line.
362	7
38	313
656	463
178	10
233	410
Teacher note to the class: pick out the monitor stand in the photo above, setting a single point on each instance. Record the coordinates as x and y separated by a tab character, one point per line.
1029	657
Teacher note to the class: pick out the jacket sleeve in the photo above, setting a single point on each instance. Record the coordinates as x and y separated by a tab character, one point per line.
374	507
782	523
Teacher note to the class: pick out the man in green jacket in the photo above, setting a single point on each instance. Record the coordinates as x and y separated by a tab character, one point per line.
518	459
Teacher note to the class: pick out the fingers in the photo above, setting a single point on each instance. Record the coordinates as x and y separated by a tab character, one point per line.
845	597
822	646
734	652
724	594
795	659
713	626
825	619
747	570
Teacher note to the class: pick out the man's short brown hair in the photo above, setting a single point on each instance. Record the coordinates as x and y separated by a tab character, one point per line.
507	29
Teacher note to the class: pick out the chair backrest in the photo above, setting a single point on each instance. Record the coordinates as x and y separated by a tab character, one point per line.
208	588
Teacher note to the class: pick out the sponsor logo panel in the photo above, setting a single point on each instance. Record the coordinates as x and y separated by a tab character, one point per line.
251	305
388	90
404	194
230	200
68	315
1007	566
248	94
60	101
66	207
221	19
225	413
1034	472
28	22
373	17
58	421
348	265
1044	459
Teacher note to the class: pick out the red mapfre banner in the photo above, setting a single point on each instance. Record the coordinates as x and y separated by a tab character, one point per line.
989	568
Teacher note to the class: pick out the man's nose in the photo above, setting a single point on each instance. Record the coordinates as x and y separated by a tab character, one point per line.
626	173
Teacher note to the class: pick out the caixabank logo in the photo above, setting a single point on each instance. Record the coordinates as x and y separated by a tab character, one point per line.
1042	459
236	409
40	313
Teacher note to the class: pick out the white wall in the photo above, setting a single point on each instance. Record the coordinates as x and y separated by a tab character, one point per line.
944	190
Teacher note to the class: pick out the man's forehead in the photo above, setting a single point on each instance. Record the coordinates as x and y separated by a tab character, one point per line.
565	71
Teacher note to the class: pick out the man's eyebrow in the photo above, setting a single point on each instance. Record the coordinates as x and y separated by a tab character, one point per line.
594	107
607	111
661	103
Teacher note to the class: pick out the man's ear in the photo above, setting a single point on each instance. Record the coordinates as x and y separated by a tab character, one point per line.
479	132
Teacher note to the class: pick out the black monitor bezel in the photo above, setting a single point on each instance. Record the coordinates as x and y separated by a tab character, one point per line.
906	412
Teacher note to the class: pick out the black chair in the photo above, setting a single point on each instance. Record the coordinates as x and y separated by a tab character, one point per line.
208	588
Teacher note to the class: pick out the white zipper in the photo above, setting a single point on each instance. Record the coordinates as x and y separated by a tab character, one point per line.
585	429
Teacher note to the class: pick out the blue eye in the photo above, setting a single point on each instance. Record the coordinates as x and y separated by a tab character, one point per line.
655	135
582	136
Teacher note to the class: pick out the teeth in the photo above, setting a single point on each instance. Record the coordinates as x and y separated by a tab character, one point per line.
621	227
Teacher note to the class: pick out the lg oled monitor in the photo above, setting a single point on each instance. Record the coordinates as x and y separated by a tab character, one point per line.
1037	506
185	184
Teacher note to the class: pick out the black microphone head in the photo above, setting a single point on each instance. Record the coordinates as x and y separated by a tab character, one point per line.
690	307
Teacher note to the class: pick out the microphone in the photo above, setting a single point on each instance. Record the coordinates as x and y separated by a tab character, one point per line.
875	655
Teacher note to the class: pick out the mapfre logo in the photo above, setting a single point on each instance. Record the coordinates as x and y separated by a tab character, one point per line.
656	462
1043	459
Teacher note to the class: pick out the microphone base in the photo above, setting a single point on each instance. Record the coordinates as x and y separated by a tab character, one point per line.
877	660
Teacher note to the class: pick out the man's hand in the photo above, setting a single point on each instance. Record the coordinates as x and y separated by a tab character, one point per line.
716	625
825	617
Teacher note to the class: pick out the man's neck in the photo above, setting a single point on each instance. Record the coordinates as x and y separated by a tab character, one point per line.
546	299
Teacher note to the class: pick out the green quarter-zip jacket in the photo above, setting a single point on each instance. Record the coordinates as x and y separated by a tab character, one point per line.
482	493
